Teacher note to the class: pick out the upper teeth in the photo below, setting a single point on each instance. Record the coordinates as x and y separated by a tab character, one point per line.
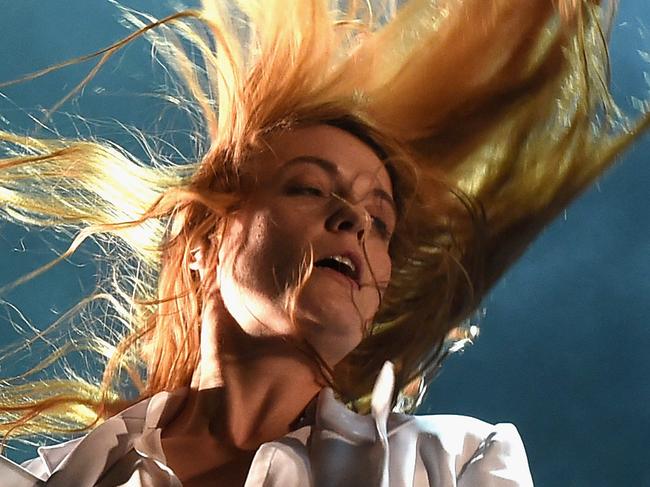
344	260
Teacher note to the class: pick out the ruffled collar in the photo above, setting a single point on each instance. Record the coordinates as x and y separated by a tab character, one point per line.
83	461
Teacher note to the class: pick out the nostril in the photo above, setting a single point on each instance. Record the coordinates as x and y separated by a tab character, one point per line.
346	225
347	218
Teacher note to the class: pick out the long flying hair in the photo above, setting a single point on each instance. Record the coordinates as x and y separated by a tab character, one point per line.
491	116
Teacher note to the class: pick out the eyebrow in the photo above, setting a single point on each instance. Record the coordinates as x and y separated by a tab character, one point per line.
331	168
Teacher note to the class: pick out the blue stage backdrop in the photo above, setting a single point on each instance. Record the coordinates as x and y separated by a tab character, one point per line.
563	351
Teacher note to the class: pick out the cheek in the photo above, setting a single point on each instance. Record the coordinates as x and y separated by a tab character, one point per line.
377	283
252	272
263	256
379	261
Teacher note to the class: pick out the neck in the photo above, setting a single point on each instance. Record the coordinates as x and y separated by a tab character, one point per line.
246	390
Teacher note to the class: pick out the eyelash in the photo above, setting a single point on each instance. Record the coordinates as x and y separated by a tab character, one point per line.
305	190
378	223
381	226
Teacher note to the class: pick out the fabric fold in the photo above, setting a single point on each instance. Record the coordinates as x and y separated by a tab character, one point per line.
340	448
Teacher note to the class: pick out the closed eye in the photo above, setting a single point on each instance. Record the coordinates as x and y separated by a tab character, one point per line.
305	190
381	227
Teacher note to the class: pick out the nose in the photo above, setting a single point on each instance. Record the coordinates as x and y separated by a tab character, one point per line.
348	217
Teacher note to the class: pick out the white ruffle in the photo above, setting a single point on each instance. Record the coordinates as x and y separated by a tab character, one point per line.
340	449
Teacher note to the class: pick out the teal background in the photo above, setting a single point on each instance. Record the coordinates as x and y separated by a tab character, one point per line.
563	351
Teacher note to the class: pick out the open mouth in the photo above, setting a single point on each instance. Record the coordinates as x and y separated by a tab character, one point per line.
342	265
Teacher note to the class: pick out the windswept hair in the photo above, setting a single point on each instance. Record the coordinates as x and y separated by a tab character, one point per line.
490	116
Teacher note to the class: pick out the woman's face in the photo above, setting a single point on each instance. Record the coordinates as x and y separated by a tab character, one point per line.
319	193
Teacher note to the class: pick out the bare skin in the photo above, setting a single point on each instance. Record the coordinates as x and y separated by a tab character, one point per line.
250	365
220	426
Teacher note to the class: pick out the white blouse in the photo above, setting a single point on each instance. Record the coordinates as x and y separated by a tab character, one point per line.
340	449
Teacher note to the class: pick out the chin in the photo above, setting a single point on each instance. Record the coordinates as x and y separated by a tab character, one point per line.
333	332
332	349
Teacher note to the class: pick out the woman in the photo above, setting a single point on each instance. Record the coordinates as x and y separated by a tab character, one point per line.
362	189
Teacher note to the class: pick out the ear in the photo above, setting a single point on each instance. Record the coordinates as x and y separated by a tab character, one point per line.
197	261
200	260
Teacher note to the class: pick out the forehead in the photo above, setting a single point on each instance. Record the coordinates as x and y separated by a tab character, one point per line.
354	160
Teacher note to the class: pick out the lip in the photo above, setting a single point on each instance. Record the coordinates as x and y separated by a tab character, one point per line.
341	277
354	258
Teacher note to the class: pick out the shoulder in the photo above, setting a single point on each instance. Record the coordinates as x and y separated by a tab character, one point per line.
473	451
37	470
345	448
89	453
455	431
16	475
